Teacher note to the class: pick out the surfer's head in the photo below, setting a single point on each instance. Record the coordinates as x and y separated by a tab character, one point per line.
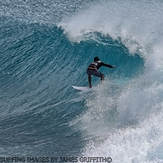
96	58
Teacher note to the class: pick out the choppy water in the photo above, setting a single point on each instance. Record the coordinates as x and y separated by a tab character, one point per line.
46	47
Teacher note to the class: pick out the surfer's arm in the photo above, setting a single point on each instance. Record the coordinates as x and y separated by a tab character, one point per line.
107	65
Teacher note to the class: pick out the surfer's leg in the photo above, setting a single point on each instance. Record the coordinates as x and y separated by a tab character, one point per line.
89	81
102	77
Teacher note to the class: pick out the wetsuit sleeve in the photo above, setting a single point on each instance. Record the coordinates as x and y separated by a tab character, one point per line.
107	65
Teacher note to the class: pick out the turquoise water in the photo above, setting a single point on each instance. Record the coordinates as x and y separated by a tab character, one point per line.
46	47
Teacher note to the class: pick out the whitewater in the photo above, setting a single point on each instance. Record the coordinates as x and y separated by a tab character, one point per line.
46	47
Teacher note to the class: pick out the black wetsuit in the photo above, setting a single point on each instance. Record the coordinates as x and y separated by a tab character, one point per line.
94	66
97	64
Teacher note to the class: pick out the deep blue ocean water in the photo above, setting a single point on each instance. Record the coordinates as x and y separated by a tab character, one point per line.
46	47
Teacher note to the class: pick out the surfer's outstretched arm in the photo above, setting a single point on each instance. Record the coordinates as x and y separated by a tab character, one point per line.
107	65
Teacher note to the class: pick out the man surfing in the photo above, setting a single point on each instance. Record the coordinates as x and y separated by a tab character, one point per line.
93	69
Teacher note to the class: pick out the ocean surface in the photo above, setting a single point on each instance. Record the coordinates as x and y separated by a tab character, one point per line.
46	47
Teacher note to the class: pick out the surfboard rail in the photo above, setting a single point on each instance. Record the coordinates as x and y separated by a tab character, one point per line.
79	88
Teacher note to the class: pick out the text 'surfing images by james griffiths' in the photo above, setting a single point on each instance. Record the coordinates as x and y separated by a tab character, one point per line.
56	159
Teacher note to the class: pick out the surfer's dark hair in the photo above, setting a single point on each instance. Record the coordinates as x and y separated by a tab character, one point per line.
96	58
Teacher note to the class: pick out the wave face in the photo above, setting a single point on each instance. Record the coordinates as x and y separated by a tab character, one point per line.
46	47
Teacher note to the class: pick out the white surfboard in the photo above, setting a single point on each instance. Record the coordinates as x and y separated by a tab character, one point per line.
81	88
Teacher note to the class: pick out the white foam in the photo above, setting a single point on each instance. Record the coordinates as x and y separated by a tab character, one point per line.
133	144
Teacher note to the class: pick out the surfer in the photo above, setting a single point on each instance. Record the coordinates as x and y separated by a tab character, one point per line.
93	69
